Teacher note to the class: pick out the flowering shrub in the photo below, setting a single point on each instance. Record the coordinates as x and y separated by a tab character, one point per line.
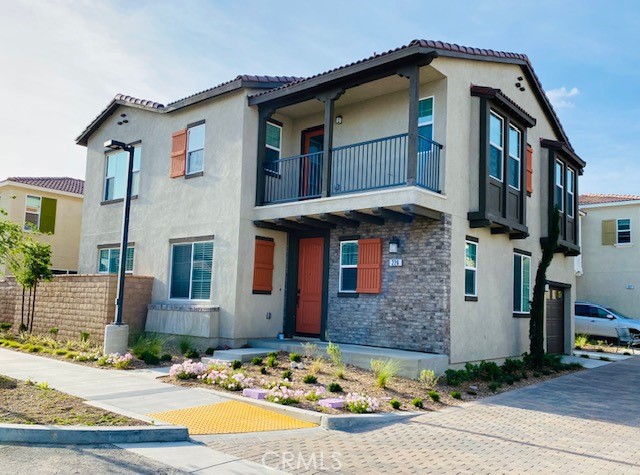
117	360
187	370
274	384
360	404
315	394
232	382
284	395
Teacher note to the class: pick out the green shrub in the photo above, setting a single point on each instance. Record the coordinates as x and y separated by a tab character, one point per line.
536	374
191	353
71	355
257	361
494	386
456	394
184	344
150	358
53	331
147	343
334	388
553	362
428	378
84	336
166	357
574	366
581	341
273	354
433	394
340	372
546	371
33	348
309	379
384	371
509	379
5	326
209	351
60	352
489	371
236	364
295	357
263	370
395	404
456	377
335	355
310	350
417	402
512	366
272	360
287	375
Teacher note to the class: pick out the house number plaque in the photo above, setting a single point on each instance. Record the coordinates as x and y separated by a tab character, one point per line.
395	262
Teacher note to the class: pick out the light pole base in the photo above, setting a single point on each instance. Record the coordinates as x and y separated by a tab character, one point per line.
116	339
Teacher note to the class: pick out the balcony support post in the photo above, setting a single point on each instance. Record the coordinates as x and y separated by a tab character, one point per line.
412	73
329	98
263	116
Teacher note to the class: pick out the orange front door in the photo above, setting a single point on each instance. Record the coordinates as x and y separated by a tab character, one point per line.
309	306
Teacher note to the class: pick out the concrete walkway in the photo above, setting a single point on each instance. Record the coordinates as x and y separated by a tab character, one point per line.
133	394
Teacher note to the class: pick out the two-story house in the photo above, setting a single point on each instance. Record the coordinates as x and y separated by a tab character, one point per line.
610	274
52	208
398	201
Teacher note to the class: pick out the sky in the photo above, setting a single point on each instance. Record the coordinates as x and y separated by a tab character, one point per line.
62	61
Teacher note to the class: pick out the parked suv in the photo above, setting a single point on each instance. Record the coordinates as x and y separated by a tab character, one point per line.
596	320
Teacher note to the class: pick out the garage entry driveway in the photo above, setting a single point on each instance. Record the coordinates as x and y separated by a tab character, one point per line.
586	422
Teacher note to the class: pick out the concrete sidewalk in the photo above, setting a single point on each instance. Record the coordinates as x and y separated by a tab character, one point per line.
134	394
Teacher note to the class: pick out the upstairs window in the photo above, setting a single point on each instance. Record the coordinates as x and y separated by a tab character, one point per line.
109	260
623	234
559	188
32	213
570	192
195	149
425	118
496	144
515	157
273	147
40	214
521	283
115	182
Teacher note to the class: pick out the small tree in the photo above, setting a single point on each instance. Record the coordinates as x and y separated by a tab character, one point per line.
11	236
536	324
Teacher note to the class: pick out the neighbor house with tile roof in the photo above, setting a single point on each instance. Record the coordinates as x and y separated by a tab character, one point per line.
53	207
610	270
399	201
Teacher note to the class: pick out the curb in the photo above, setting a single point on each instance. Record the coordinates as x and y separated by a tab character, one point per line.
82	435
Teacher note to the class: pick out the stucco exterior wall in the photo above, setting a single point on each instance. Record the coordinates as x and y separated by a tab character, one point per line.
65	241
610	274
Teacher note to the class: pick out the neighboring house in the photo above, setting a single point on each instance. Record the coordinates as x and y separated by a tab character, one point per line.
611	252
398	201
53	206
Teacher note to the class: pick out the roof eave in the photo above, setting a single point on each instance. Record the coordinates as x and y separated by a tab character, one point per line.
562	147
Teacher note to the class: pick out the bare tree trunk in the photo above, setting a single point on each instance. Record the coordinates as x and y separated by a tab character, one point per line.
26	326
33	307
22	310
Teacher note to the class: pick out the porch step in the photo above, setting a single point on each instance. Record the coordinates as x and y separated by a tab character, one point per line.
411	362
241	354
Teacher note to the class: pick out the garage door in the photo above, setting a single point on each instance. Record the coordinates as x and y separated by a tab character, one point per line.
555	321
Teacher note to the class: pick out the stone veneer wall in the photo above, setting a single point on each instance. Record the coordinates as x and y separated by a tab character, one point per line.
79	303
413	310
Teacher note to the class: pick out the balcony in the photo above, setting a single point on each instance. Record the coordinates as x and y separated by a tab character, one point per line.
365	166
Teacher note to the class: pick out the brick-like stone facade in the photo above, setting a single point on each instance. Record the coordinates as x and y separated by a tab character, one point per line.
79	303
412	311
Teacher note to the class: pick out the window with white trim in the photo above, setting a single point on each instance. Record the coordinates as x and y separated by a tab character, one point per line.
425	118
515	156
348	266
33	207
496	145
115	182
273	145
623	231
191	267
570	192
521	283
109	260
195	149
559	196
470	269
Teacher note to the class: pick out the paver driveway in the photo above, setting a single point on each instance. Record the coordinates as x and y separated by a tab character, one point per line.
586	422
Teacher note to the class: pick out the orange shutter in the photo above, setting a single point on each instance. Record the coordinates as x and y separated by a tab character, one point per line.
369	266
263	266
529	169
178	153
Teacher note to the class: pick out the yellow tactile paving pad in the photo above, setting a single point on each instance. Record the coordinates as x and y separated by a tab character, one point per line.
230	417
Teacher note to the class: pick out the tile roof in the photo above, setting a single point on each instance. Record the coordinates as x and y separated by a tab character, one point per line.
596	198
64	183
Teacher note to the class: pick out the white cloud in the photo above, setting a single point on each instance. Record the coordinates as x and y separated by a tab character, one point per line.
561	97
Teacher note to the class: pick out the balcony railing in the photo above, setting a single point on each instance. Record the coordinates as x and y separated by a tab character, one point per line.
371	165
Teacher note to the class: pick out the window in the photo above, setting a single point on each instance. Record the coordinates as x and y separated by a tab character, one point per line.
470	269
515	156
623	234
32	213
191	266
521	283
195	149
115	183
273	147
496	144
425	118
348	266
559	196
263	265
40	214
570	192
109	260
